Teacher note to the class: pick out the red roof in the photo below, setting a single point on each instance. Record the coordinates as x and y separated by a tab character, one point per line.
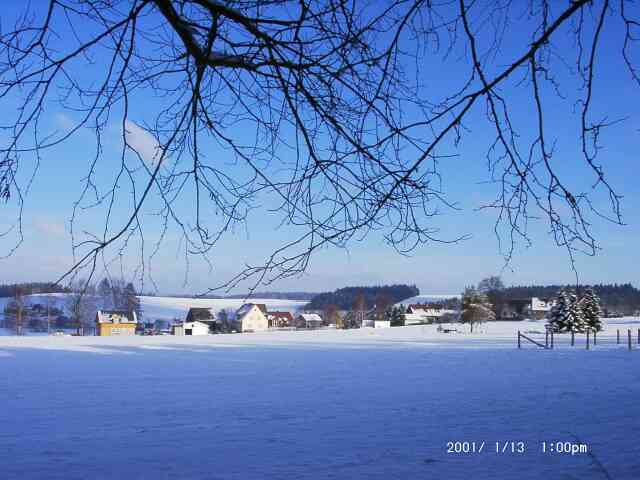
281	316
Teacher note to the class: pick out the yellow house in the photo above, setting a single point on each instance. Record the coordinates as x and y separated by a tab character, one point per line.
115	323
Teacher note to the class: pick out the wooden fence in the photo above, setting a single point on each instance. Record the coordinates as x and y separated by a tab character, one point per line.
591	339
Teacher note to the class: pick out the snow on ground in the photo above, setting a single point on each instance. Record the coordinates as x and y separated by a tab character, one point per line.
360	404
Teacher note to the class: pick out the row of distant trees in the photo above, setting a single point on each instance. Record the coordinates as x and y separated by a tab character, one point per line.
30	288
81	302
355	298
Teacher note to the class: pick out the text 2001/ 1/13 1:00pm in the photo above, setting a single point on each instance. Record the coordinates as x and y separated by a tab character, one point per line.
516	447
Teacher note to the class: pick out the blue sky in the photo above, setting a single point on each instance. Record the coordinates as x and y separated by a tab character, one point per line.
434	268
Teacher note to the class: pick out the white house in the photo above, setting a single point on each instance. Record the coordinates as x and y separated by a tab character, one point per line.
540	307
191	328
252	317
202	315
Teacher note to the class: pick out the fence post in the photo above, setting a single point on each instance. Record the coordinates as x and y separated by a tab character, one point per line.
587	339
573	338
551	338
546	338
629	338
595	337
618	335
639	336
518	338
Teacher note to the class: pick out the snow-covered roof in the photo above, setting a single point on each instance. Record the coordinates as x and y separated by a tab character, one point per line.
286	316
116	316
541	304
310	317
200	314
426	310
244	309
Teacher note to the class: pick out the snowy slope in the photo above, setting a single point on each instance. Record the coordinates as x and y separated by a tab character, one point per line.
168	308
427	298
363	404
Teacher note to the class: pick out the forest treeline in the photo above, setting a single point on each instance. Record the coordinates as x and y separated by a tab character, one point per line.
31	288
621	298
344	298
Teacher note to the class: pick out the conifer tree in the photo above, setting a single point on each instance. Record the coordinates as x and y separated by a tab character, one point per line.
591	311
574	319
566	314
396	316
558	312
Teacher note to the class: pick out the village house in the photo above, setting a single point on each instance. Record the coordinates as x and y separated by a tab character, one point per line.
420	313
252	317
540	308
116	323
190	328
309	320
515	309
202	315
280	320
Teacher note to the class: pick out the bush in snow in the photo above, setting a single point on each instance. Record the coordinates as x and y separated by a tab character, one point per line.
591	311
566	315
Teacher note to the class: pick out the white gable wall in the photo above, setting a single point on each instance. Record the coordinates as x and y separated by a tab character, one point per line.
255	321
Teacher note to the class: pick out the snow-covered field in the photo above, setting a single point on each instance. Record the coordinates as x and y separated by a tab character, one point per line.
374	404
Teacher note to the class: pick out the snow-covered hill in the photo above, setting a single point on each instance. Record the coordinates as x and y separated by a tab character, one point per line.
168	308
426	299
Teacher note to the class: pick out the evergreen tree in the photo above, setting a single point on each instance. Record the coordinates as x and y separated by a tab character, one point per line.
566	314
398	316
574	320
591	311
395	315
558	313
